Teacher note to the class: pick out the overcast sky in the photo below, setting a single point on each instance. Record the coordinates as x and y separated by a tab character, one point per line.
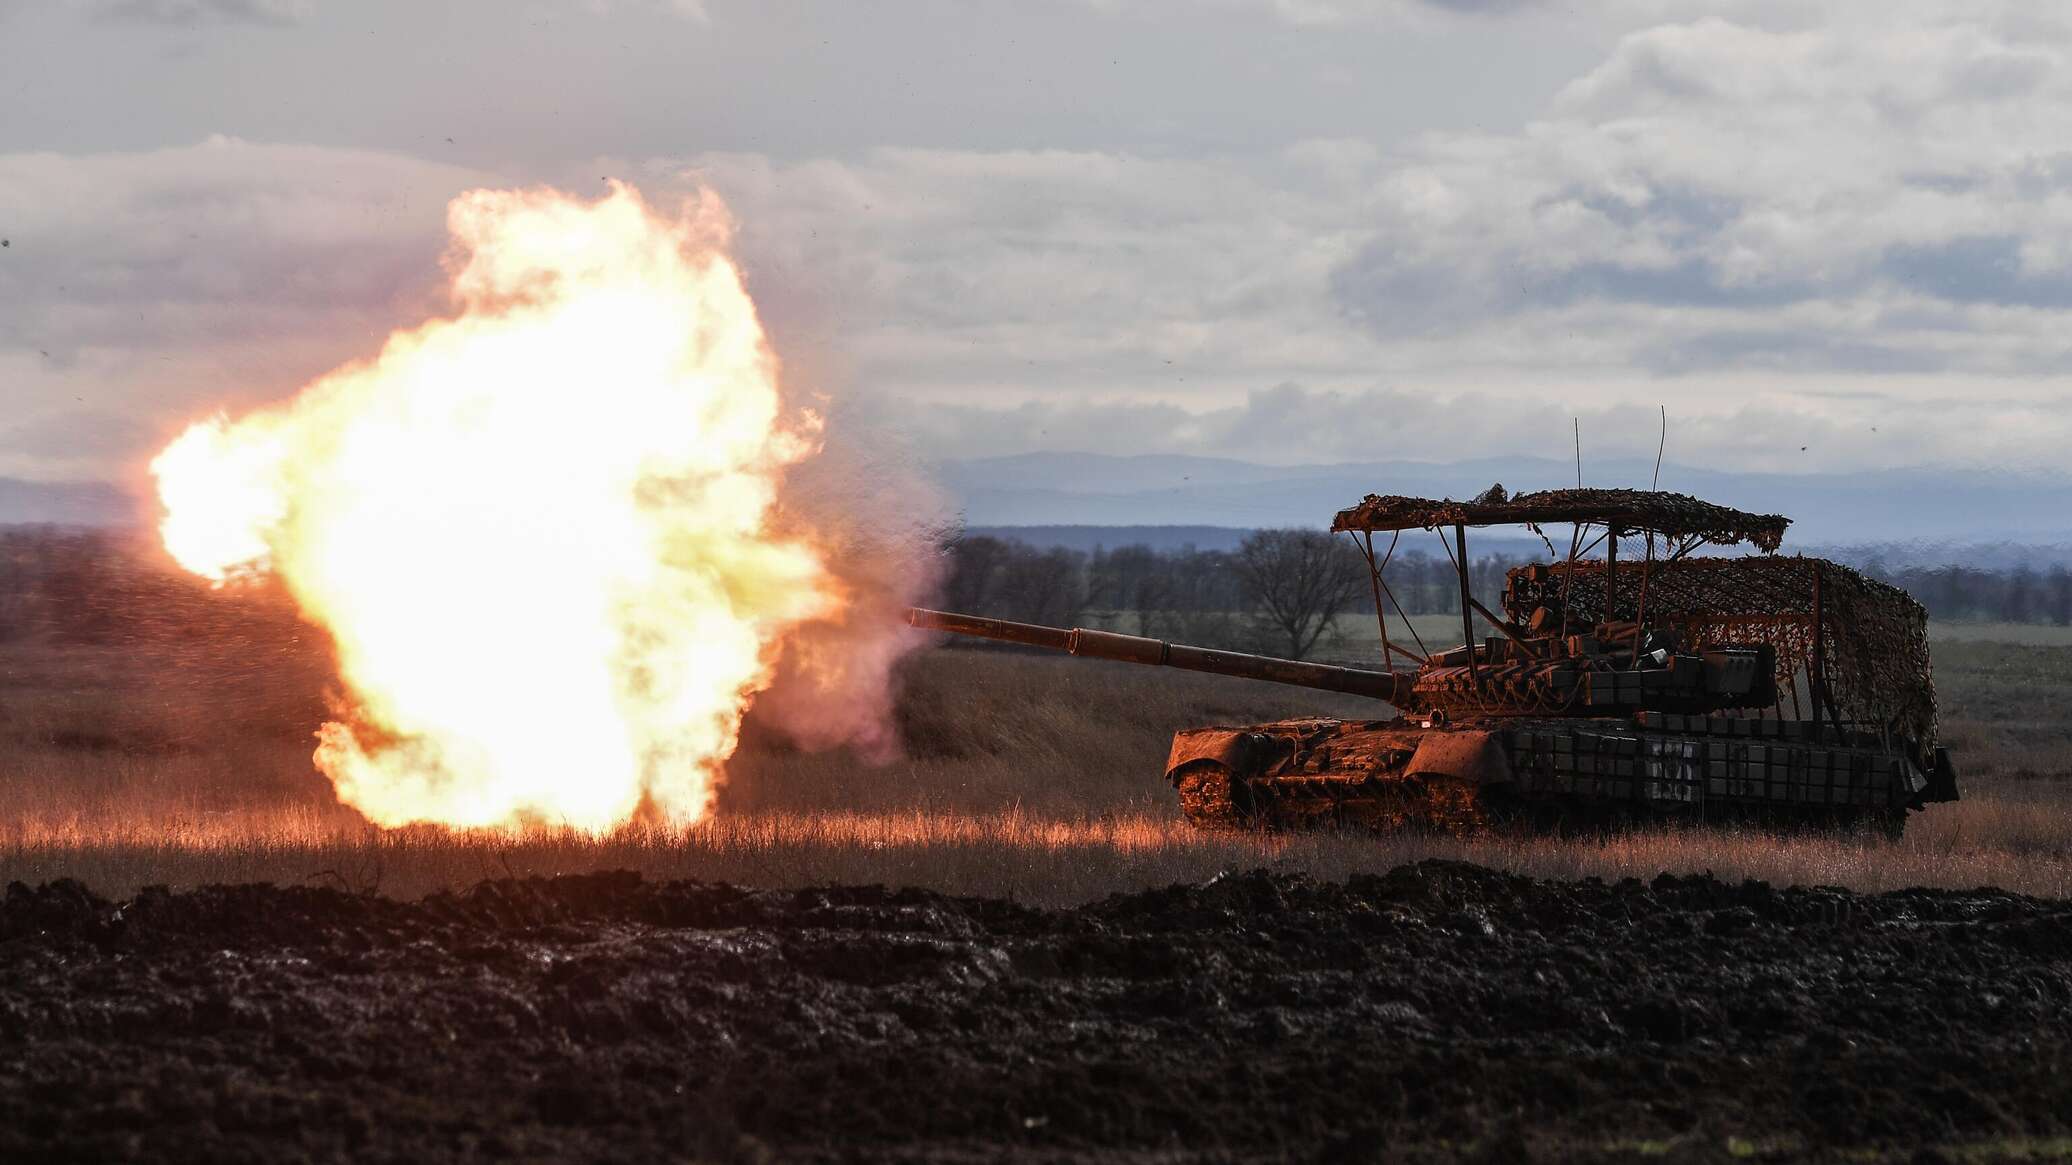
1287	230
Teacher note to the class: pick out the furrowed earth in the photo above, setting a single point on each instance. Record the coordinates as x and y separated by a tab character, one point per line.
1437	1009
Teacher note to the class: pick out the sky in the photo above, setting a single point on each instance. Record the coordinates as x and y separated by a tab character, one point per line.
1822	236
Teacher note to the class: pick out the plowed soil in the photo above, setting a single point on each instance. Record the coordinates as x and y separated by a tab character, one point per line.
1437	1010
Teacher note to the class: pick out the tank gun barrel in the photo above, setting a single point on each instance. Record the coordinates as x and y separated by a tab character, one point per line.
1081	641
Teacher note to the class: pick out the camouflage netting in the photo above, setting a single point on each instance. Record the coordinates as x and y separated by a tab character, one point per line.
1680	517
1876	636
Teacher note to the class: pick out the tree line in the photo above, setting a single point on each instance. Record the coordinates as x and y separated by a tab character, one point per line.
86	586
2020	595
1281	590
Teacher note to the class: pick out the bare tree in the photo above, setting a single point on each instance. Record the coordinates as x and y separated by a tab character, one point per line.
974	576
1012	580
1044	586
1300	580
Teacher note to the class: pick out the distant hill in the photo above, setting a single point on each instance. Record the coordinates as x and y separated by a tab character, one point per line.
1081	500
1880	558
1960	508
90	503
1087	539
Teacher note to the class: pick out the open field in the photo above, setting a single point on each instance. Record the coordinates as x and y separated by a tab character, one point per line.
2026	634
1023	776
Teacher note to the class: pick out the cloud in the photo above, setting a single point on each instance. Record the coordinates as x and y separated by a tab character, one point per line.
1744	429
1977	269
1102	271
1726	195
1805	218
1289	423
693	10
1342	11
224	240
1334	12
151	285
77	433
1852	198
187	13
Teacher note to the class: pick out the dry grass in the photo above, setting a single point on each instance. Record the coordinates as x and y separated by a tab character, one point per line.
160	762
2016	846
2028	634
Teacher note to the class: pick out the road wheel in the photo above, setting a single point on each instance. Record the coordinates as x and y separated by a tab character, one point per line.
1208	800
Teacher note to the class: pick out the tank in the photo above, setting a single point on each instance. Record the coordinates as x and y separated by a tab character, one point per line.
1682	684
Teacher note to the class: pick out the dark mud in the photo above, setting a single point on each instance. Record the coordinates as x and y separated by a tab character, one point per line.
1437	1010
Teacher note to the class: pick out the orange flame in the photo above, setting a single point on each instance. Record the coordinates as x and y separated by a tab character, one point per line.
539	531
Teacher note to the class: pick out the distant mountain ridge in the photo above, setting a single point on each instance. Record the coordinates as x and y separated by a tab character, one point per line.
1878	557
1994	520
87	503
1088	539
1929	507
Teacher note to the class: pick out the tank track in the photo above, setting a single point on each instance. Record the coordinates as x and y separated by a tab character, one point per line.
1212	800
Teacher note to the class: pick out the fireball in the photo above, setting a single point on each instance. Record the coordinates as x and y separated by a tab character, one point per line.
541	532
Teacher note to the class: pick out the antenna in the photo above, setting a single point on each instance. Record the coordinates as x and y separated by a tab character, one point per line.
1659	446
1575	529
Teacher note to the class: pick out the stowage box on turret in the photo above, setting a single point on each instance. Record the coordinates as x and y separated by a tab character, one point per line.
1771	688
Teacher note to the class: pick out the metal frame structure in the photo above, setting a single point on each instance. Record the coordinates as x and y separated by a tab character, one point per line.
1860	645
1684	524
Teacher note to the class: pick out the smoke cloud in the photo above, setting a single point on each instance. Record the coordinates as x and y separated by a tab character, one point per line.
877	518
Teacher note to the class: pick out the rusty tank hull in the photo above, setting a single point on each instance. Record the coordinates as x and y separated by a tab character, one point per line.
1544	773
